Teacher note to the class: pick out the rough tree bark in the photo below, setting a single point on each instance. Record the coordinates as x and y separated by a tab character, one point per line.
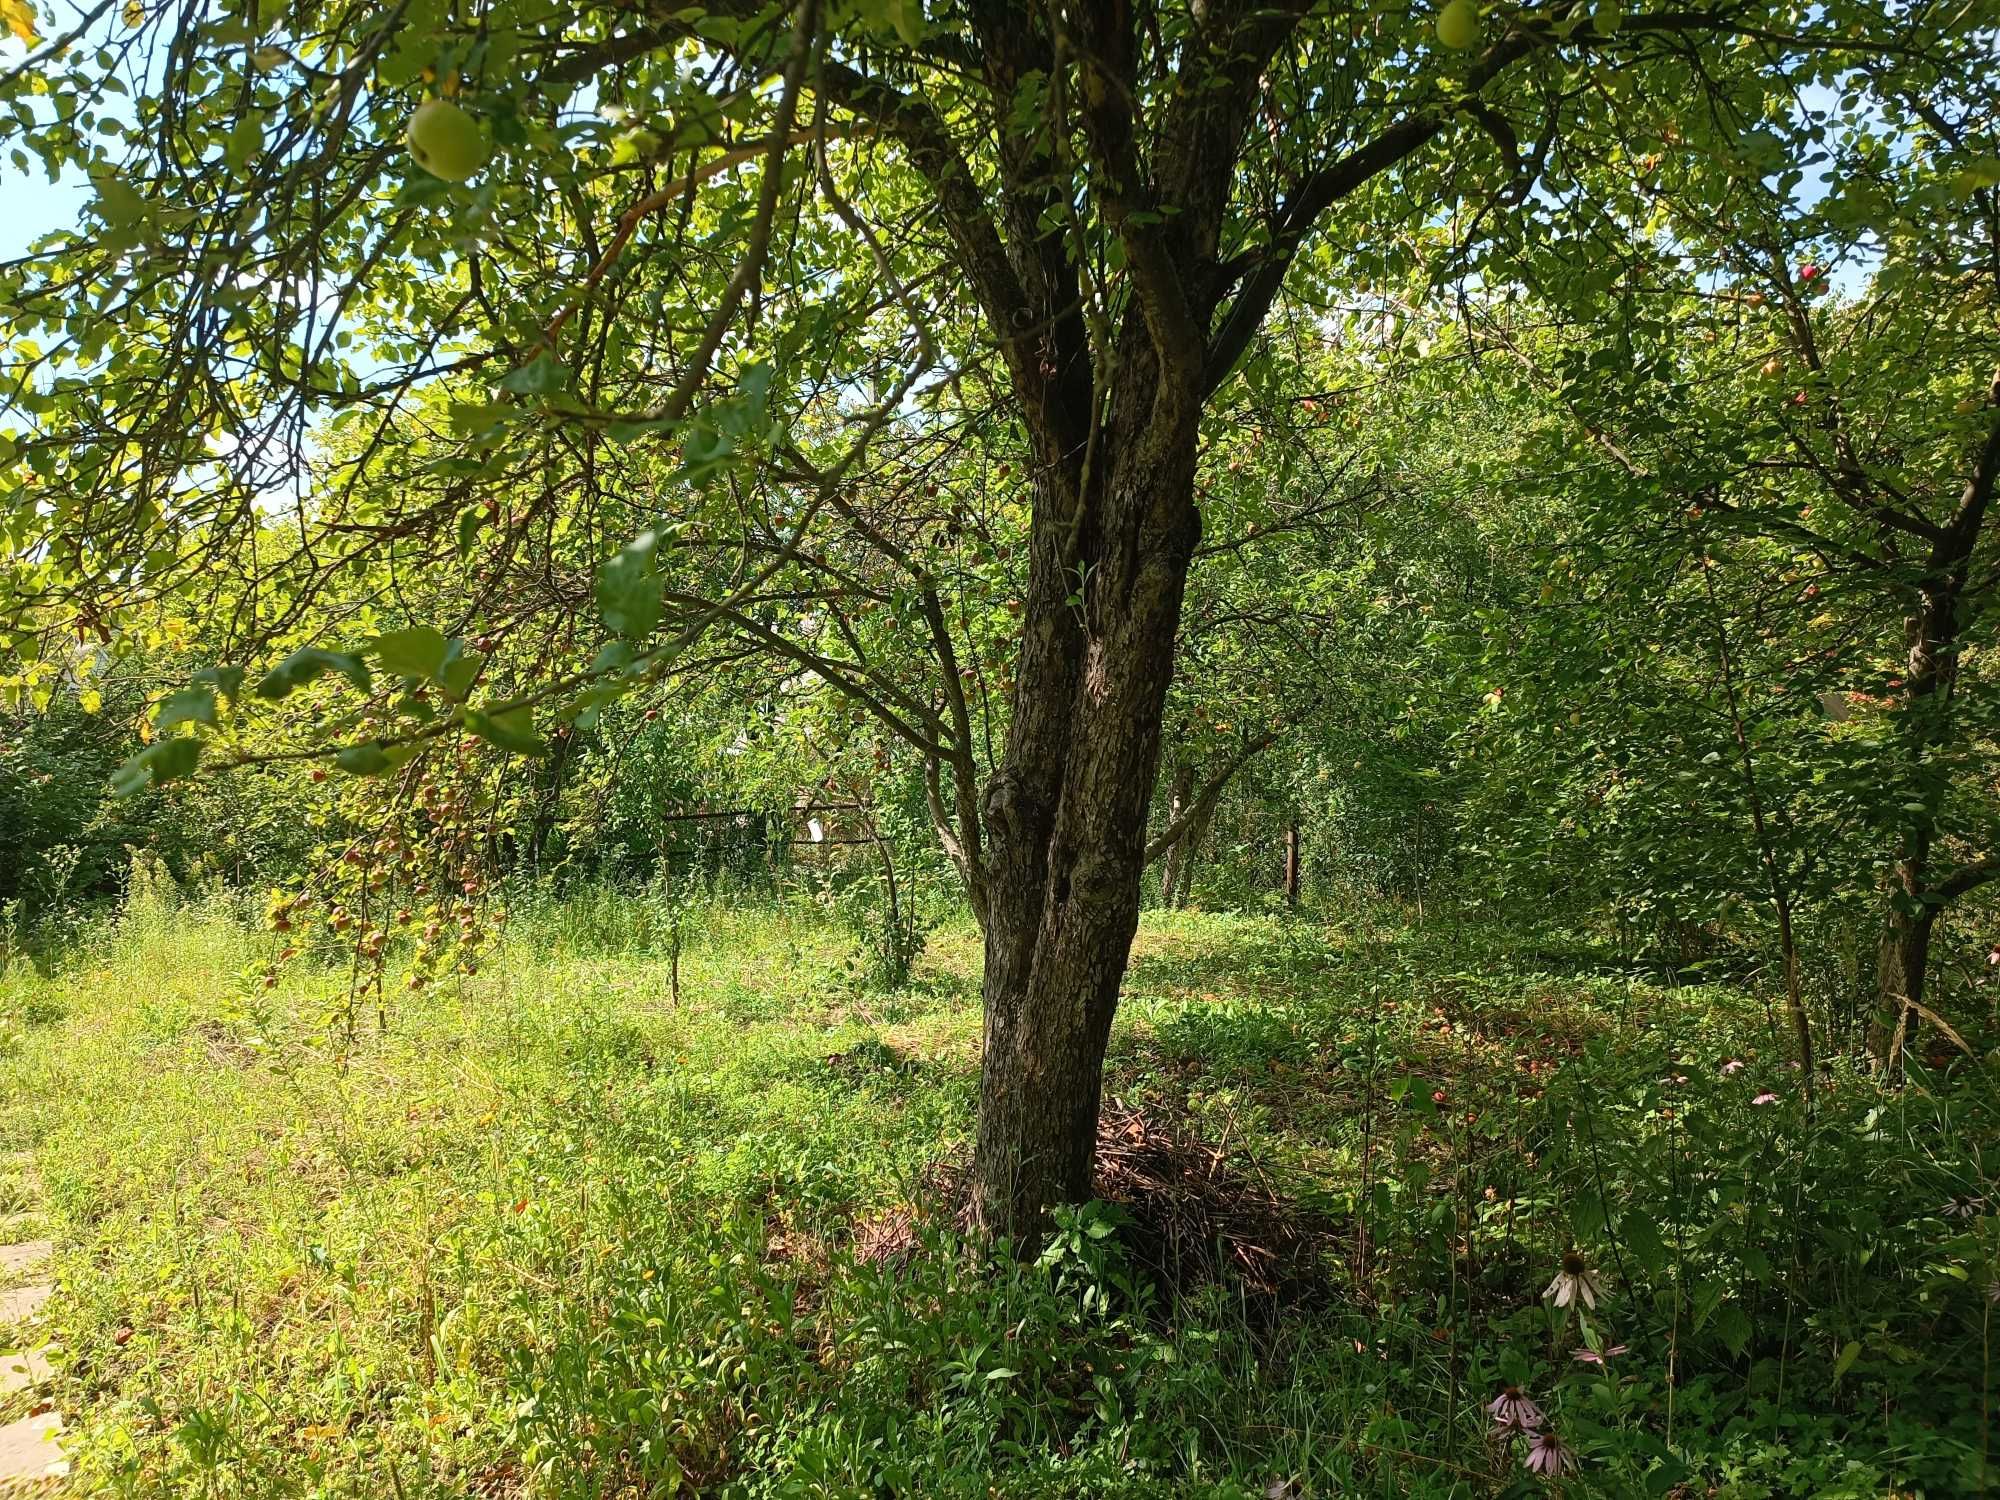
1063	888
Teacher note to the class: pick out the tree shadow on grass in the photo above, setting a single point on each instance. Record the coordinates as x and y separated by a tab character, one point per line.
1257	964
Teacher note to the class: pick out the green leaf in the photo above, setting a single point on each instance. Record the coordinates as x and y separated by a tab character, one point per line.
158	763
476	419
1732	1326
372	758
245	142
907	16
629	431
612	656
1587	1216
511	729
1642	1238
634	145
226	680
460	668
304	665
540	376
364	760
628	588
118	203
418	651
190	705
705	447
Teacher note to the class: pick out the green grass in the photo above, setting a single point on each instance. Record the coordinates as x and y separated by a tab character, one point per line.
547	1234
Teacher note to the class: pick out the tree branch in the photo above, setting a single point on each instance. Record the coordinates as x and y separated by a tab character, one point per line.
962	205
1205	799
1965	878
1328	186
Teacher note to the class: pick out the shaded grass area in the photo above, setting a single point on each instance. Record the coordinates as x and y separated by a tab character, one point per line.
548	1234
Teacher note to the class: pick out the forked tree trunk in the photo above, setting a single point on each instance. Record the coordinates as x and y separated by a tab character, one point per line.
1111	394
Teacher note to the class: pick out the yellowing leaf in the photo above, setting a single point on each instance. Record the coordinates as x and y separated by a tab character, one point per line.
1844	1361
19	18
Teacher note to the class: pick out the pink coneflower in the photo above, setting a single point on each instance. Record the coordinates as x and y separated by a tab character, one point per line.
1598	1356
1575	1281
1732	1065
1767	1097
1548	1457
1512	1412
1962	1208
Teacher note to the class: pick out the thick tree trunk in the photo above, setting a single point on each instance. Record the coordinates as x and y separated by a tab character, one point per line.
1066	816
1931	641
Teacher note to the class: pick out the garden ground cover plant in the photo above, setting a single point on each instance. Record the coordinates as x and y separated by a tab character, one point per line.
1542	1219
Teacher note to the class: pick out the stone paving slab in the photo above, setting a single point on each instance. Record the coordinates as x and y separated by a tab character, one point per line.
20	1370
19	1260
31	1458
29	1451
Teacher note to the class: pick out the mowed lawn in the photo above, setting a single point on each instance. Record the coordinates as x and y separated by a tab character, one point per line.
551	1234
